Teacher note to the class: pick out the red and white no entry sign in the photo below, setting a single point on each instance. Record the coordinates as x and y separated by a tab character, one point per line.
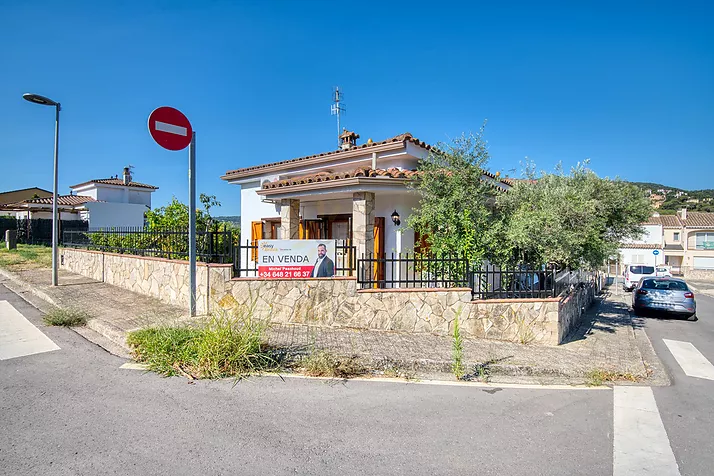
170	128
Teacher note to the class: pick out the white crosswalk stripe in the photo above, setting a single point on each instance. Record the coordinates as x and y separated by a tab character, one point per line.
693	363
18	337
640	442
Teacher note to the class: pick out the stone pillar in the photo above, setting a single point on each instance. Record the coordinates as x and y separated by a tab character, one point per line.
11	239
289	219
363	223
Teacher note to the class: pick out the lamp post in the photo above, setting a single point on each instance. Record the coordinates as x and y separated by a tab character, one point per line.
37	99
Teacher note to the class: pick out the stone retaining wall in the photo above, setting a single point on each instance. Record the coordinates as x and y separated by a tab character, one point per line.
336	301
698	274
161	278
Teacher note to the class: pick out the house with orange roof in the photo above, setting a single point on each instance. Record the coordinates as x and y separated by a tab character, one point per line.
684	241
104	203
356	194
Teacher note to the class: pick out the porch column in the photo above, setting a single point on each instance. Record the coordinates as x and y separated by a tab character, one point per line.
289	219
363	223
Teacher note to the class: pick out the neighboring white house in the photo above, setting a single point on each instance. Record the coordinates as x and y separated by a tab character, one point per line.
683	241
103	203
346	194
642	251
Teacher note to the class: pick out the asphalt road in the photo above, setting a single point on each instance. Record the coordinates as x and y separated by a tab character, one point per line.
73	411
687	406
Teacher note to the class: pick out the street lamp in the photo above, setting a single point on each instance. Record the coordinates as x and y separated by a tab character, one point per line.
37	99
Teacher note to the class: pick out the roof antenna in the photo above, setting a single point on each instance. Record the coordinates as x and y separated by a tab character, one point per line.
336	109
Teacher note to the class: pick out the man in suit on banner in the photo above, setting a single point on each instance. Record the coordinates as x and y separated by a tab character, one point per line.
324	267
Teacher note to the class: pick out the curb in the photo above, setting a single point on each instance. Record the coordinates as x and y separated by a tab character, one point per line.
28	287
110	332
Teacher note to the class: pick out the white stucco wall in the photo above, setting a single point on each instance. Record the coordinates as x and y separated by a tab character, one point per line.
116	194
109	215
252	208
139	197
641	256
653	235
403	204
48	215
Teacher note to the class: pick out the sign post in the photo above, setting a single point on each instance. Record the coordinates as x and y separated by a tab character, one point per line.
655	253
172	130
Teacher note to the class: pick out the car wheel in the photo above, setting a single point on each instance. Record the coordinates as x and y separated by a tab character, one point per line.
692	318
637	312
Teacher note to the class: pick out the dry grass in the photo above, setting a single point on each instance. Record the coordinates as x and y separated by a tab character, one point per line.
226	346
66	318
321	363
25	257
598	377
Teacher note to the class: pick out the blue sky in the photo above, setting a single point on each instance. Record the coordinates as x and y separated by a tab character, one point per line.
630	87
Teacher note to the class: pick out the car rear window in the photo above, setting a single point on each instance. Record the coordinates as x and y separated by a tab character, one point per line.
642	269
666	285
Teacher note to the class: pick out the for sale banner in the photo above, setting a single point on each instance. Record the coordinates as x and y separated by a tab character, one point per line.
289	259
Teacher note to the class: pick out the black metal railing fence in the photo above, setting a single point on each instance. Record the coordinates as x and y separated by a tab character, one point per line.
213	246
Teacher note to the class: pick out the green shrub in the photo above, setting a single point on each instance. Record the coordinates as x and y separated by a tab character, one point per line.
66	318
226	346
457	365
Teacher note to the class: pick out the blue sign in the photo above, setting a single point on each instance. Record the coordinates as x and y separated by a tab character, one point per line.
655	252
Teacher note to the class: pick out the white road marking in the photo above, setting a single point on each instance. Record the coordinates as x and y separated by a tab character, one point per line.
640	442
171	128
18	337
690	359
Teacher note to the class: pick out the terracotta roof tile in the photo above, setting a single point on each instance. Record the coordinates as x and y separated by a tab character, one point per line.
667	221
642	246
70	200
699	220
326	176
406	137
670	221
116	181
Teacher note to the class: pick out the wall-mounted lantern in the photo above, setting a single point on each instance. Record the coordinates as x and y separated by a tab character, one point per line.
395	218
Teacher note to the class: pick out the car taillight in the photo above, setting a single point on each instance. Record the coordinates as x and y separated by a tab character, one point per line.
689	295
641	291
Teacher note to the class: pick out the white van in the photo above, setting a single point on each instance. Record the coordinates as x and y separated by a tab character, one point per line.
635	272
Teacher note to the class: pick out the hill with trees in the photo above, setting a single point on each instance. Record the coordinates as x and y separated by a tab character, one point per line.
671	199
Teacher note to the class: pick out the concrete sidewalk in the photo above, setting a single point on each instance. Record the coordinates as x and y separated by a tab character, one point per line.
703	287
608	340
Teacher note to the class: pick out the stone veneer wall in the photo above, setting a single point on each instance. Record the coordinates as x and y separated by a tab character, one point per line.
572	308
161	278
698	274
337	301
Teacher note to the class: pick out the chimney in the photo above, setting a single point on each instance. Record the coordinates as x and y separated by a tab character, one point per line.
348	139
126	176
684	213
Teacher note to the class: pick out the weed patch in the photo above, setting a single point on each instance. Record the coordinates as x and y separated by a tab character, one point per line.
66	318
321	363
457	351
598	377
226	346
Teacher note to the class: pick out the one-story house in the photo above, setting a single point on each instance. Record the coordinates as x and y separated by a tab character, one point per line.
349	194
14	196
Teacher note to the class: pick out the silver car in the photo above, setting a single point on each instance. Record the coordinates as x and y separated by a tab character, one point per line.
664	295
